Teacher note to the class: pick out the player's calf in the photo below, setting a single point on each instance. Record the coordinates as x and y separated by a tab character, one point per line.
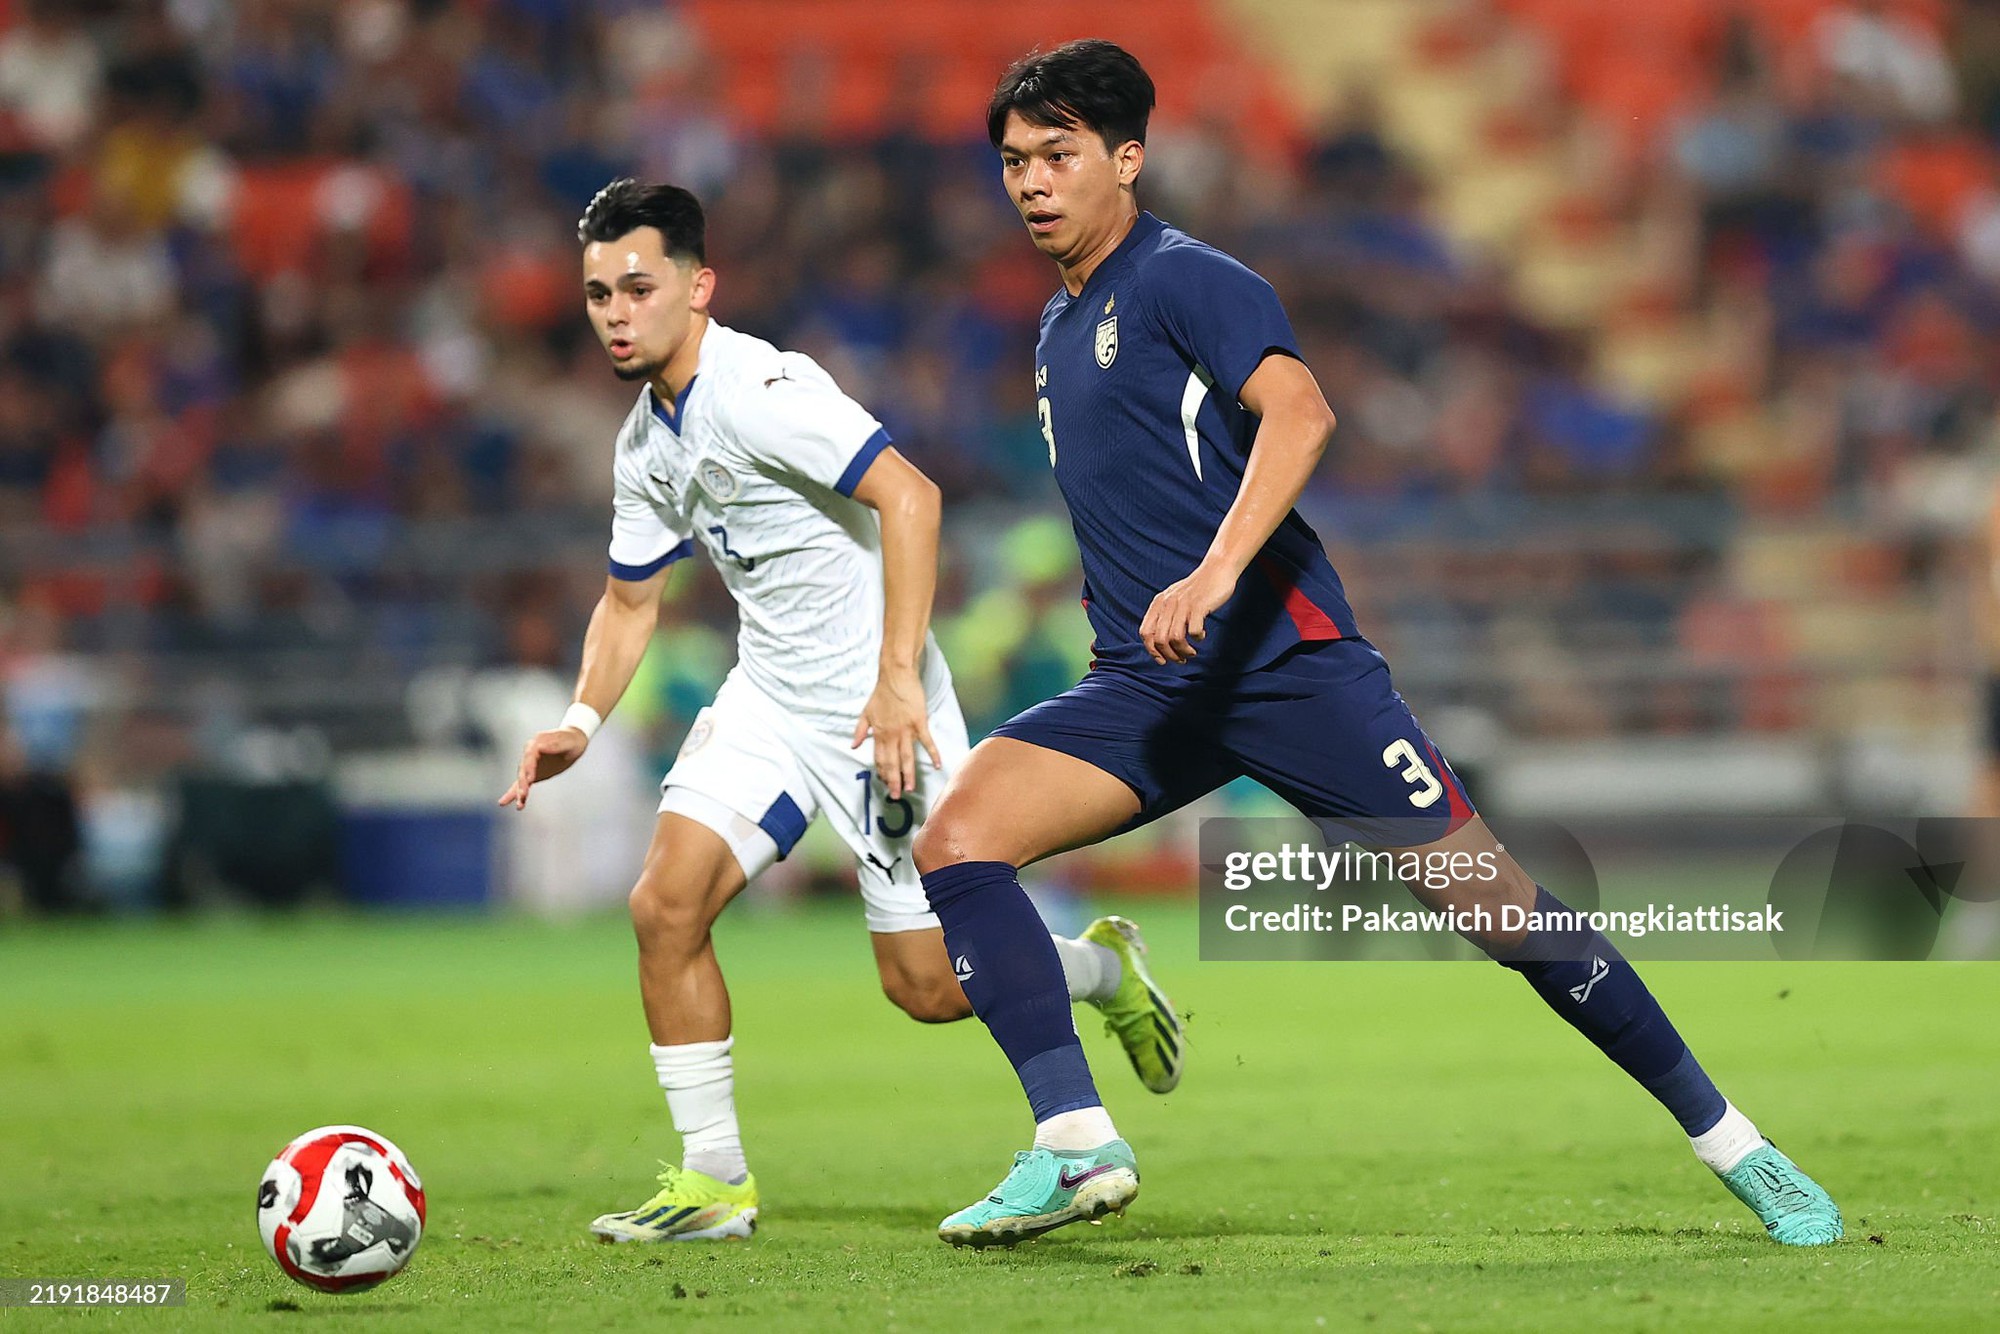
917	977
1475	879
927	1000
689	876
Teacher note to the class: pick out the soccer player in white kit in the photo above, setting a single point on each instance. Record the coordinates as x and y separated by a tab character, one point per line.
826	537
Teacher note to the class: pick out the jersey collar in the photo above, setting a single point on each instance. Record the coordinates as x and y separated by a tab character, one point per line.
703	356
672	421
1144	227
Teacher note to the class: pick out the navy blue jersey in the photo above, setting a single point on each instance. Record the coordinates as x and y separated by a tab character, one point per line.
1137	377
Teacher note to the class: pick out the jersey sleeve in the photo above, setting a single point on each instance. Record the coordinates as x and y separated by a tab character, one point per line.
1220	313
800	423
642	544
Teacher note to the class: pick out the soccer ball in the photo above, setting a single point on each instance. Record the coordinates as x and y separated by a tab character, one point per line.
341	1209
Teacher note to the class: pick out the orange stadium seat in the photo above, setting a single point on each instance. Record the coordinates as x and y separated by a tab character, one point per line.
962	47
1636	93
1937	175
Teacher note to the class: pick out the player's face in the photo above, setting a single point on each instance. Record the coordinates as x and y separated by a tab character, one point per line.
1070	187
641	302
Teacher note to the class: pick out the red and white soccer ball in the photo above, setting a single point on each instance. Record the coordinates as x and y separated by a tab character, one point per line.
341	1209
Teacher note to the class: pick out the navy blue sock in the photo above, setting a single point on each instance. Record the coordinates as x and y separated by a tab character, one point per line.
1586	981
1013	977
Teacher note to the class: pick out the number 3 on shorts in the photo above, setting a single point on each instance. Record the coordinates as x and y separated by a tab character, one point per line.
1415	771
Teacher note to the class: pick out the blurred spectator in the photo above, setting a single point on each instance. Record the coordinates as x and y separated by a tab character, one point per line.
51	77
39	837
294	393
1897	60
576	843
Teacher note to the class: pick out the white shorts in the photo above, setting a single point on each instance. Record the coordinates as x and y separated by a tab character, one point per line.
757	776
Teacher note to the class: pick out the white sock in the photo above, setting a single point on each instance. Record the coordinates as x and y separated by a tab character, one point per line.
1728	1142
1085	1128
1092	971
700	1084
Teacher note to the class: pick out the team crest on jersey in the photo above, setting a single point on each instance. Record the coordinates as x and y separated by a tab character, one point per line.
697	736
717	480
1107	342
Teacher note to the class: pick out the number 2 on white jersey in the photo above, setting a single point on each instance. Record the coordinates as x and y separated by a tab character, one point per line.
1402	752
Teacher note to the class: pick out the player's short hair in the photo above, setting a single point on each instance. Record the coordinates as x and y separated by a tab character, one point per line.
626	204
1092	83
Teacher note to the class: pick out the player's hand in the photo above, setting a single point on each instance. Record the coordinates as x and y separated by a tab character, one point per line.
898	717
546	755
1177	619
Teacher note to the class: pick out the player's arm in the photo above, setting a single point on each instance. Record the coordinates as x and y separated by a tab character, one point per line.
897	714
1294	426
620	629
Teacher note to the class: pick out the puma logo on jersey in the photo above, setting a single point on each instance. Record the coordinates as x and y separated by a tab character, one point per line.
781	375
875	861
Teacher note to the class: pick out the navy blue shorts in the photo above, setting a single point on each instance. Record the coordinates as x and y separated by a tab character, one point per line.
1322	726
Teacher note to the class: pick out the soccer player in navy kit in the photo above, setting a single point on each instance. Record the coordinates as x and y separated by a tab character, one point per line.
1182	426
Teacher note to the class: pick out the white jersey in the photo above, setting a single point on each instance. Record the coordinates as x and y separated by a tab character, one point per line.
758	464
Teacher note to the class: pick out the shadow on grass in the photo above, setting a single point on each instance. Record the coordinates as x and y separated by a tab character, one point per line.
319	1309
923	1222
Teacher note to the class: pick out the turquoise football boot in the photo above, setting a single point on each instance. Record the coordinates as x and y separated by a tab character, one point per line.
1047	1189
1790	1204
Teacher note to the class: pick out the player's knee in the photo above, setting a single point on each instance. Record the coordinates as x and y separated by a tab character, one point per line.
925	999
667	911
945	839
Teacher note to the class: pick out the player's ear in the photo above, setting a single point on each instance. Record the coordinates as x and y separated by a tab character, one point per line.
1131	157
701	289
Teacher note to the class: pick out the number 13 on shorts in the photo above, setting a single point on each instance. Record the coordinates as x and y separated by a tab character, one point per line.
898	817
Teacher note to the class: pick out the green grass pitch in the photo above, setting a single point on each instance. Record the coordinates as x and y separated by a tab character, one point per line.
1381	1145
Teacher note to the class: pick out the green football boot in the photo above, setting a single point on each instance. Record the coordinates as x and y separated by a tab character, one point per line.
690	1206
1790	1204
1047	1189
1139	1014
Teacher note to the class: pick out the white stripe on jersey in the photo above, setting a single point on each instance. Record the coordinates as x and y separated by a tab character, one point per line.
757	471
1199	381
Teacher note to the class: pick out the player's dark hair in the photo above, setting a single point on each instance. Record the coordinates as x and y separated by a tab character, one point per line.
1092	83
626	204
